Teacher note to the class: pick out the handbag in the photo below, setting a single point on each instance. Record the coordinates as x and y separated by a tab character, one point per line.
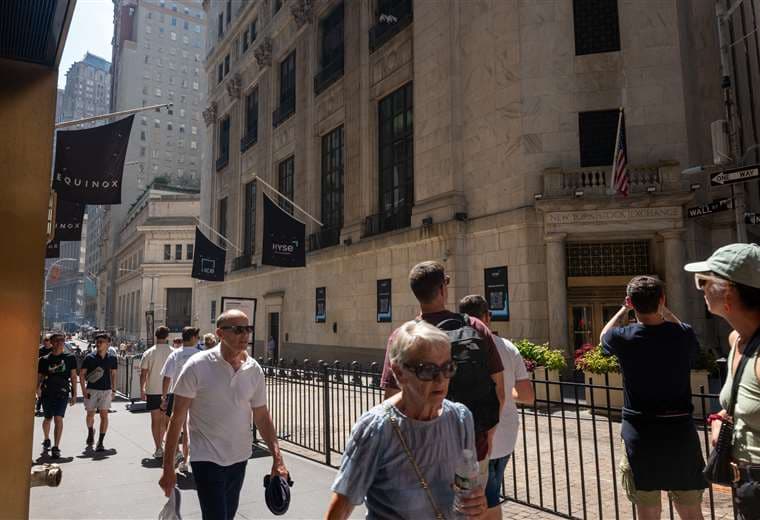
718	466
420	477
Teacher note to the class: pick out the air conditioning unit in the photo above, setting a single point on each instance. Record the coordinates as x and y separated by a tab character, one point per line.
720	146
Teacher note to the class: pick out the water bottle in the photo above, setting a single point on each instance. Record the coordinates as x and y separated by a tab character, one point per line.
466	479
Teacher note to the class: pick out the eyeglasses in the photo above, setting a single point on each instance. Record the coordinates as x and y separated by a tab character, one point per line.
239	329
700	281
429	371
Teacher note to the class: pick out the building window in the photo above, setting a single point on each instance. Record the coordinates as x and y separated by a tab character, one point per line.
276	6
229	11
223	156
244	41
597	132
220	72
396	165
251	120
189	251
332	186
608	258
253	29
249	219
391	16
222	221
174	21
287	90
384	304
331	56
167	252
597	27
226	64
213	312
178	252
220	28
285	182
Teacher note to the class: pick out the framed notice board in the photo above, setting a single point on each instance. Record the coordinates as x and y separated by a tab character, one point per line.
384	304
320	311
497	294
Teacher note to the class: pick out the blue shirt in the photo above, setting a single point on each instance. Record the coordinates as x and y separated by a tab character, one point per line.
376	470
99	370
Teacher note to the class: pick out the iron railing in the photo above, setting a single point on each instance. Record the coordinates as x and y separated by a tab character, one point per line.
286	109
385	221
329	73
565	461
249	139
399	14
324	238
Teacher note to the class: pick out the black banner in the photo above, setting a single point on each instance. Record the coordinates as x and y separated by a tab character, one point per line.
208	259
497	294
68	220
384	306
53	249
320	313
284	238
89	163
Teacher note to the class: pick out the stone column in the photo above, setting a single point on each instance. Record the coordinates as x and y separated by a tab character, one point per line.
556	283
675	289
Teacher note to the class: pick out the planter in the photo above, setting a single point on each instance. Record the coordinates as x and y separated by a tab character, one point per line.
546	391
600	394
699	379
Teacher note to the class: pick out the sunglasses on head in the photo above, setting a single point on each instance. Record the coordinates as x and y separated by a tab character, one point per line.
700	280
238	329
429	371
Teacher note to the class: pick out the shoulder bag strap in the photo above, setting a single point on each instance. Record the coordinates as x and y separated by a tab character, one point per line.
420	477
749	352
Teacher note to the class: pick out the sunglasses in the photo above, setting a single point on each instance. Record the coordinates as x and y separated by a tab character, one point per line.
700	280
239	329
429	371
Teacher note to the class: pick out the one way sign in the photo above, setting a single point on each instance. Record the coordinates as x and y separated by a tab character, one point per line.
734	175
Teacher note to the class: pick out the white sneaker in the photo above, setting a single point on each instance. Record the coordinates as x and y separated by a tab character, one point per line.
158	454
182	468
178	458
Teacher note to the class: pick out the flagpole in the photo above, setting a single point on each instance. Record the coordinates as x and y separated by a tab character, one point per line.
233	246
265	183
112	114
611	189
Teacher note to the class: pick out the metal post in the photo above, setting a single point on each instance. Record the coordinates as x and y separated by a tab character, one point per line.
326	411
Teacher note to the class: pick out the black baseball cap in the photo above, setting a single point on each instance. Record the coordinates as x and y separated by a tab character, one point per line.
102	335
277	493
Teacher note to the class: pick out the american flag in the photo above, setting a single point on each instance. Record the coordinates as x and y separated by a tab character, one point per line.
620	177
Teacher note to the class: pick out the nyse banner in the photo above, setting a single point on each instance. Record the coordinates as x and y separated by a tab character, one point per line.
284	238
208	259
89	163
53	249
68	221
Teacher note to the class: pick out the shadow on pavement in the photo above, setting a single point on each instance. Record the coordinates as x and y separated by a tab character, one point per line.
185	481
151	462
45	458
97	455
258	452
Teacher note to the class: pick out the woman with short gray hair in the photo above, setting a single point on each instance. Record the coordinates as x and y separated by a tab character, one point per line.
402	454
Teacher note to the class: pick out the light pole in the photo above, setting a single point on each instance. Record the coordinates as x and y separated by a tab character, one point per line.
45	289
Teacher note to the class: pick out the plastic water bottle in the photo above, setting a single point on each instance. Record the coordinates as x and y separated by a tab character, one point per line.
466	479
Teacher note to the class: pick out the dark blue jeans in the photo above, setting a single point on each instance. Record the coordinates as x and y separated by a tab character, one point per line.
218	488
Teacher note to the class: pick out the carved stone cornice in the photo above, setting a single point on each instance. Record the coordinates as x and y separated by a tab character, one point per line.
209	115
302	11
234	85
263	53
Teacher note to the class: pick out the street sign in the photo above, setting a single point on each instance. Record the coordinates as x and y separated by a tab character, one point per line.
735	175
713	207
751	218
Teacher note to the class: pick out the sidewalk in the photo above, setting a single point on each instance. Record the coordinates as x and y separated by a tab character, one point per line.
123	481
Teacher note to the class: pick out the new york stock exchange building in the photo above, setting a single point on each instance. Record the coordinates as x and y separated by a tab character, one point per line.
482	138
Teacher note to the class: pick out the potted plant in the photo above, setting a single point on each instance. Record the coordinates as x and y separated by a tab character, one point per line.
544	364
602	370
705	365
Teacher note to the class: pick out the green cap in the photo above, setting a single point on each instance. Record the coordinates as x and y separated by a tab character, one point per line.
739	263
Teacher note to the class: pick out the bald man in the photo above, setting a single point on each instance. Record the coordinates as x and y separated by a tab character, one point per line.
221	387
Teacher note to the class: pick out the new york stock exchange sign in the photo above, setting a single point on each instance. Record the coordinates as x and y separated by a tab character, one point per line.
615	217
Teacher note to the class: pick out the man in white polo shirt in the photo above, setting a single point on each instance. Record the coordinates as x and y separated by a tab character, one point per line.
221	387
151	382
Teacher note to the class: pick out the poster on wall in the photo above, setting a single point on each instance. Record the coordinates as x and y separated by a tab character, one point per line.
497	294
247	305
320	313
384	304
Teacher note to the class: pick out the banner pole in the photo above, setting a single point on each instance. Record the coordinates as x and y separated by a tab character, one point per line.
265	183
233	246
112	114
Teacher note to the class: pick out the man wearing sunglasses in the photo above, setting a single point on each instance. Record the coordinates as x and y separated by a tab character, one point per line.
661	450
221	387
430	285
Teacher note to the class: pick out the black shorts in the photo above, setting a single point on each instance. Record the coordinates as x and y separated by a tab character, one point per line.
153	402
169	404
54	406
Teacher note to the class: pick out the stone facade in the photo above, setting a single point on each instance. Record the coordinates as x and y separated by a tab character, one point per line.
497	92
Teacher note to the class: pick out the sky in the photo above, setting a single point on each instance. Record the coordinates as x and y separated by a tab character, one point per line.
91	30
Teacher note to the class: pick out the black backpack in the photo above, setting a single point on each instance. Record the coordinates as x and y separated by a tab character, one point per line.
472	384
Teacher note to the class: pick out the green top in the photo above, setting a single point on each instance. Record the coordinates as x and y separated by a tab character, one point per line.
746	445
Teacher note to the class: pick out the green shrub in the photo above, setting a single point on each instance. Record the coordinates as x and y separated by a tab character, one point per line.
596	362
540	355
706	361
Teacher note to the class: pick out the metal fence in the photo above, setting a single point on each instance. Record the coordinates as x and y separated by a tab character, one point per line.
128	377
567	453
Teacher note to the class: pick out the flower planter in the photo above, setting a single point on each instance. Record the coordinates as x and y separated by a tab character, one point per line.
600	393
546	391
699	379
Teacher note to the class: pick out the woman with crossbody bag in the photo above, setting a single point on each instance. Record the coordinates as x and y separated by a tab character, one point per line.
730	279
402	455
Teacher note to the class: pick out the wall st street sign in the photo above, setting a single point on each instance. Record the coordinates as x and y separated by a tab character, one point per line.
713	207
735	175
751	218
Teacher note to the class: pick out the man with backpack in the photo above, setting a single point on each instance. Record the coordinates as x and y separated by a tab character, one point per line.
57	377
478	382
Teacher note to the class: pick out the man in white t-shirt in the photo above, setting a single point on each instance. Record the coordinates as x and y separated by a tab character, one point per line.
517	388
171	371
150	386
221	387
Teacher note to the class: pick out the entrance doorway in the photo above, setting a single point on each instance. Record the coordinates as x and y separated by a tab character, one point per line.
273	341
587	321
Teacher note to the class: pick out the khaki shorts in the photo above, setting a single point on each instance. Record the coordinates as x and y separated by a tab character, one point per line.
689	497
99	400
483	467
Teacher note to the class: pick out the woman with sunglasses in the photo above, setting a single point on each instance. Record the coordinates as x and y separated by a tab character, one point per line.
730	280
402	455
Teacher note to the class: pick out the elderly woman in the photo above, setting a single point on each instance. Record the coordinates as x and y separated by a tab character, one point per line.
209	341
730	279
402	455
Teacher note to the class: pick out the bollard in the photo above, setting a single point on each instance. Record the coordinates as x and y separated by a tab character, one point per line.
338	374
375	375
294	370
356	379
281	372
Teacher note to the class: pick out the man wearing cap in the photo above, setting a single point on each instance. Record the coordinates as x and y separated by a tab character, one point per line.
152	362
99	373
57	377
221	387
661	448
